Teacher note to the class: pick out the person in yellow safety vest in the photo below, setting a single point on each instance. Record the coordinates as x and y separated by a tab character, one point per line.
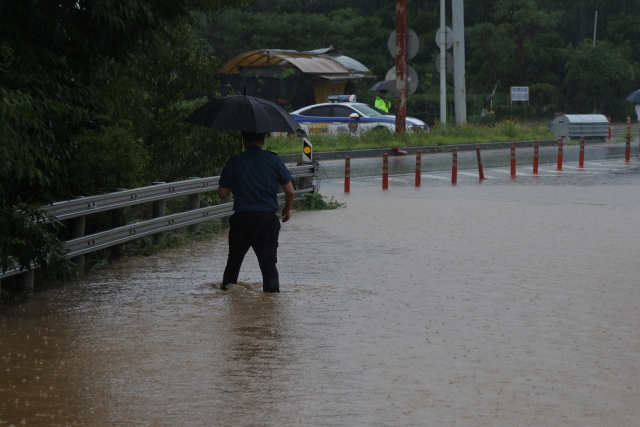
381	104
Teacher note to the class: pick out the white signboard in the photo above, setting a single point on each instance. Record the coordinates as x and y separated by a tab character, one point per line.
519	93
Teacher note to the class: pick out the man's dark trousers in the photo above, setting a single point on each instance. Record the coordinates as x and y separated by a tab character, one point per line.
257	230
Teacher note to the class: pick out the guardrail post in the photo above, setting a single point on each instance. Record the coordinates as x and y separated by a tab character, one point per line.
26	279
194	203
77	230
118	219
158	209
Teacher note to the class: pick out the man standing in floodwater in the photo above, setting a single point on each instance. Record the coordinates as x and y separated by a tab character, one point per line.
253	178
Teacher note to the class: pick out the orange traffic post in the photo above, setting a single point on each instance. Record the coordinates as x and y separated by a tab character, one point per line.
385	171
536	155
480	170
513	159
347	174
627	147
454	167
609	134
560	144
418	167
581	158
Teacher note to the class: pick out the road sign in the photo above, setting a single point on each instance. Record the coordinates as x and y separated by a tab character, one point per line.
448	37
413	44
519	93
307	151
448	60
412	81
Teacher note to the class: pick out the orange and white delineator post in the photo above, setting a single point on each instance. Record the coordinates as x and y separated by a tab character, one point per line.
513	159
418	167
536	156
560	145
385	171
480	170
454	167
581	158
627	146
347	174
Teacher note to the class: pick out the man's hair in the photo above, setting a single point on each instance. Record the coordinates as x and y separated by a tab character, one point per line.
249	137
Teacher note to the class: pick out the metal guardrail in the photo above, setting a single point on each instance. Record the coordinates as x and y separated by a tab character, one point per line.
118	236
121	199
80	207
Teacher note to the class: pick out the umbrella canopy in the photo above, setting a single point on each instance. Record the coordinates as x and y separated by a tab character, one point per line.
245	113
634	97
378	87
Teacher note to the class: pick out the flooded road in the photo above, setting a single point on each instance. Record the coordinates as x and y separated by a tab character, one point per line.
502	303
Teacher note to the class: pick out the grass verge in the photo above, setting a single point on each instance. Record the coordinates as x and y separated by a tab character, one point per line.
441	135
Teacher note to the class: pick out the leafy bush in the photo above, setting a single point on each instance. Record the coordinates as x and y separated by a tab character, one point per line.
318	202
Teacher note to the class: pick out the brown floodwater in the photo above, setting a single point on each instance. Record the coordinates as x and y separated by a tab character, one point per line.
504	303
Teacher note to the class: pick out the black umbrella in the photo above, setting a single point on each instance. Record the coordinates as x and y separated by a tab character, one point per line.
378	87
245	113
634	97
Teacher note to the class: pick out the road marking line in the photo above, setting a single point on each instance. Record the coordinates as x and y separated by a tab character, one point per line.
435	177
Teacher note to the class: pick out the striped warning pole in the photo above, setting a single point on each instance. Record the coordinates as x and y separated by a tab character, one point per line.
513	159
560	144
627	147
480	170
347	174
609	134
536	155
581	158
454	167
418	167
385	171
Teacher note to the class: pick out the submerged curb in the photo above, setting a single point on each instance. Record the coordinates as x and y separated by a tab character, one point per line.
377	152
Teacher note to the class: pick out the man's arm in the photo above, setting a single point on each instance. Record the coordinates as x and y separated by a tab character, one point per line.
223	192
289	194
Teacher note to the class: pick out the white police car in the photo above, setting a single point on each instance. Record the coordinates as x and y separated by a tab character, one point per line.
344	115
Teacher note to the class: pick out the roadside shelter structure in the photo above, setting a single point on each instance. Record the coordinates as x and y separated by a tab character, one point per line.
290	77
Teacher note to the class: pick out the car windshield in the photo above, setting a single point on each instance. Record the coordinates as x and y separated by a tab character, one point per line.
367	110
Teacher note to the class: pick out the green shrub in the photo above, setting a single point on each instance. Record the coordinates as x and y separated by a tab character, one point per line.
318	202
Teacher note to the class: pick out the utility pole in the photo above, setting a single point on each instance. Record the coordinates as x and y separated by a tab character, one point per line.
401	65
443	66
595	25
460	91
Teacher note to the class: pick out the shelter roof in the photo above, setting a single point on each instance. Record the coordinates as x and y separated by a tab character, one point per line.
311	62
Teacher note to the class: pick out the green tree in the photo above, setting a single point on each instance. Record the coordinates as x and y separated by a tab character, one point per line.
598	78
50	56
